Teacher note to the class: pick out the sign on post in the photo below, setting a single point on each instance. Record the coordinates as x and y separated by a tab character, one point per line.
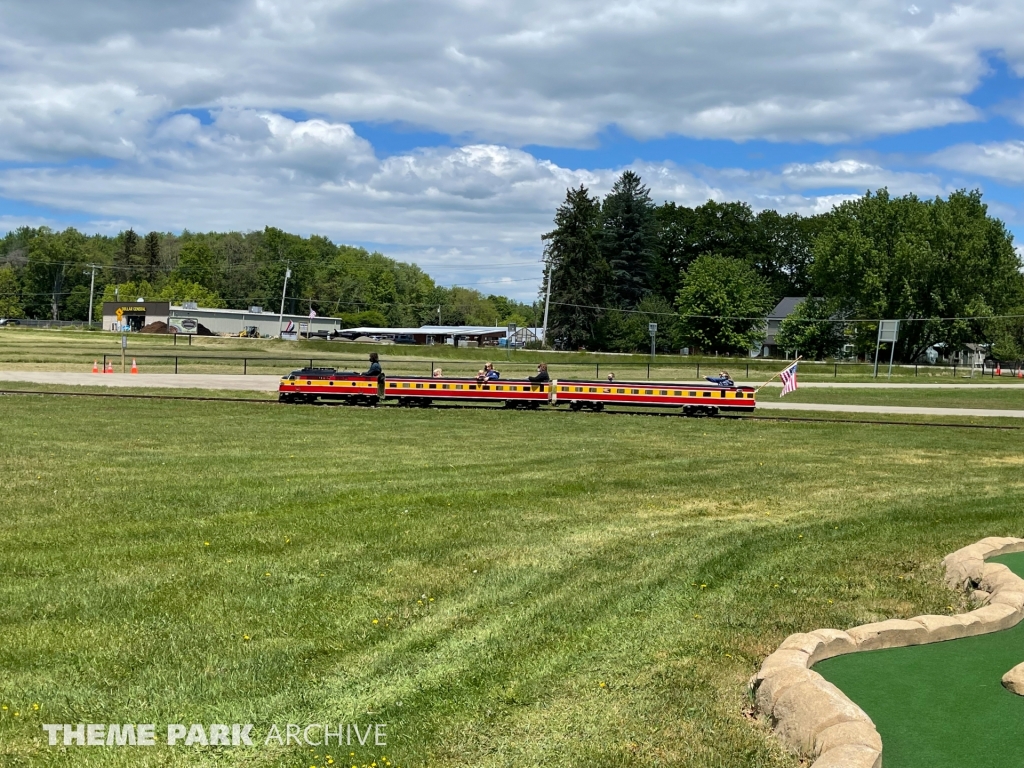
510	338
183	325
652	328
888	333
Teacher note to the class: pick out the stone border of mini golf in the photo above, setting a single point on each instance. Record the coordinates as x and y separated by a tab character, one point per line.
815	719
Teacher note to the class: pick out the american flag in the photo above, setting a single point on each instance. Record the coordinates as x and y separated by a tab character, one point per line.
788	377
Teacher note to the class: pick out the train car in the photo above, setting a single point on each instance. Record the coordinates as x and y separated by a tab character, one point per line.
694	399
308	385
512	393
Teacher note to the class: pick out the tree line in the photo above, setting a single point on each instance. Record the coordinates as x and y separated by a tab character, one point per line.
46	274
711	274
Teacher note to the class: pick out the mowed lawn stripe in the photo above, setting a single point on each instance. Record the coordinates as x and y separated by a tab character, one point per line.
554	590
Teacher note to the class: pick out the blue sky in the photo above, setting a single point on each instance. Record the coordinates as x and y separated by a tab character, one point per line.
446	132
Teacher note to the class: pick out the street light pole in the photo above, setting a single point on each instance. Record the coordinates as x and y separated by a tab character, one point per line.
280	316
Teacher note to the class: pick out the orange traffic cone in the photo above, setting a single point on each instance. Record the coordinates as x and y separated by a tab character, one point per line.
135	368
110	367
999	370
1020	373
95	367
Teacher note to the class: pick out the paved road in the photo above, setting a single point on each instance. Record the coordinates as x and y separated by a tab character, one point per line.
1013	383
774	405
269	384
163	380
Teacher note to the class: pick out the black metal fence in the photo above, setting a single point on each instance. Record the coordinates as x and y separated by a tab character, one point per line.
660	369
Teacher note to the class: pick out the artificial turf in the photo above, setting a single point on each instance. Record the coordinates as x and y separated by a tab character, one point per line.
501	588
941	705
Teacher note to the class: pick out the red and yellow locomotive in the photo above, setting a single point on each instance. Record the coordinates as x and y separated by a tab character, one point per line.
308	385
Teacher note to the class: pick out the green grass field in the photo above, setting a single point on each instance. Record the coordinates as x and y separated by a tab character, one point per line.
500	588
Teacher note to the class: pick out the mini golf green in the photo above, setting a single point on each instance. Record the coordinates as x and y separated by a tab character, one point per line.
941	705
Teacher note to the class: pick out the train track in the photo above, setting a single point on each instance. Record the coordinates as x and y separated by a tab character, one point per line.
457	406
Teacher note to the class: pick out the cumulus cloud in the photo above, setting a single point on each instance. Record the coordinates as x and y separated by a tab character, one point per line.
84	77
472	214
1002	160
234	114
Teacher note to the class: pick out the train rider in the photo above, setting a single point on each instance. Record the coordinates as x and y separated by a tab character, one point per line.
722	379
481	376
490	373
375	369
611	377
542	375
438	373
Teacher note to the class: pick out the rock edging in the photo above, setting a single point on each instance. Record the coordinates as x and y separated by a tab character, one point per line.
815	719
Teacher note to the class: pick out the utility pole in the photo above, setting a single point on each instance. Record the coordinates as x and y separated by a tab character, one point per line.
92	286
280	316
439	314
547	304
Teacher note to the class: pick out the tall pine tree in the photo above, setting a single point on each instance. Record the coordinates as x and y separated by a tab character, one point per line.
124	258
578	272
152	256
628	239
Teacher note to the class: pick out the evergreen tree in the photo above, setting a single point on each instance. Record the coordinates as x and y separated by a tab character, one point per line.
628	239
152	256
577	271
126	255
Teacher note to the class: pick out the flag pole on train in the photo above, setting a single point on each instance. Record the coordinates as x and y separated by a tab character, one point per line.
798	359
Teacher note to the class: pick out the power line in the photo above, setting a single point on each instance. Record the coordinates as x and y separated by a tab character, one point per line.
795	319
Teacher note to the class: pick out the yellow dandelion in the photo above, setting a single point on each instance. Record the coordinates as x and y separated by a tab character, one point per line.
375	621
246	638
206	543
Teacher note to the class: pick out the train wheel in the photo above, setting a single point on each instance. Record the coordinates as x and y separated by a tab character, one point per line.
511	404
575	406
597	407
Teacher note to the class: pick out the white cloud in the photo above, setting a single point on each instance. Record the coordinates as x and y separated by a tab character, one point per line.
85	78
461	213
997	160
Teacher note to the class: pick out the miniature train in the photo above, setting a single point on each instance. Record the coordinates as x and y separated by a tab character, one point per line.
308	385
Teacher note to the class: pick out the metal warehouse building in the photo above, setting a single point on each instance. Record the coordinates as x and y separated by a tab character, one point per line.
137	314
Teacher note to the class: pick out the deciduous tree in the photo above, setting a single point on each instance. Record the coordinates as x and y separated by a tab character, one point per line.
722	305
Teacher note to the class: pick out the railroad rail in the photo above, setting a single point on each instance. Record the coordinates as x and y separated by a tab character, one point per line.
461	406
